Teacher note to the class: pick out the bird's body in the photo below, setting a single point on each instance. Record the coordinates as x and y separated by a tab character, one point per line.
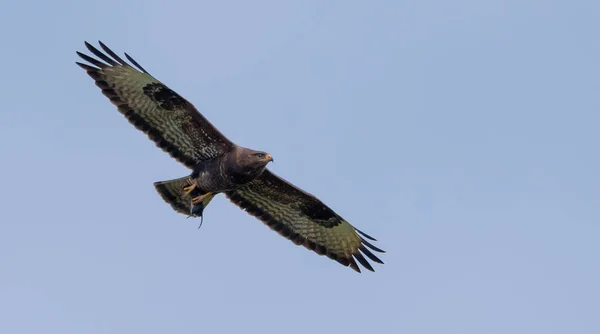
230	170
224	173
220	166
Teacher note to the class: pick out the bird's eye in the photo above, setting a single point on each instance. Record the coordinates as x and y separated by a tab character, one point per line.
260	155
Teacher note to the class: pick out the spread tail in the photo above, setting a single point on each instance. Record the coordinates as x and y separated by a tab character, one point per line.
172	192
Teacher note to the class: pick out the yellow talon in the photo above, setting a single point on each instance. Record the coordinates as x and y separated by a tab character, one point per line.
187	190
198	200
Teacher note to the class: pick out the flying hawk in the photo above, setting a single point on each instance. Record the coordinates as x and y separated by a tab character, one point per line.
220	166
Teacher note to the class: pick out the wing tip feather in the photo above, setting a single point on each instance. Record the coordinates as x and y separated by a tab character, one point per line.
87	67
114	61
368	244
112	54
101	55
370	255
135	63
365	235
353	265
358	256
91	60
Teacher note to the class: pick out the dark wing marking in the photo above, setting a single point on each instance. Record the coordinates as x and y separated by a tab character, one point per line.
304	219
168	119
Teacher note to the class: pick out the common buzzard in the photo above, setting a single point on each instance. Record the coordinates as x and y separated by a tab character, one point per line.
220	166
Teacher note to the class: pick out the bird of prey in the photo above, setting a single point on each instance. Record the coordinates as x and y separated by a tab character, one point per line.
220	166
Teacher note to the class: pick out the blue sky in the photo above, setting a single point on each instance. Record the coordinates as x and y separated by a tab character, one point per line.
463	135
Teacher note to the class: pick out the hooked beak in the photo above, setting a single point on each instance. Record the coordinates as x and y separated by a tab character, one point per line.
269	158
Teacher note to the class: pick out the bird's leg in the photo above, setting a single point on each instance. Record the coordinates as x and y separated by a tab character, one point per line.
187	190
198	199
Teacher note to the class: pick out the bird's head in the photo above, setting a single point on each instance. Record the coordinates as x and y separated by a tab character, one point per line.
255	160
260	158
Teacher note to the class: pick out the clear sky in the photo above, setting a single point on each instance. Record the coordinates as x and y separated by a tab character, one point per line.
461	134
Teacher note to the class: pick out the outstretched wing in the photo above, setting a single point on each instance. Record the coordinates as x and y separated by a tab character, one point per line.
304	219
168	119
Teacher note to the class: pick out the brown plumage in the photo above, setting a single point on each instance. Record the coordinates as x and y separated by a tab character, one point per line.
220	166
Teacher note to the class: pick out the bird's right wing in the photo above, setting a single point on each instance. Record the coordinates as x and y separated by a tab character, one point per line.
168	119
304	219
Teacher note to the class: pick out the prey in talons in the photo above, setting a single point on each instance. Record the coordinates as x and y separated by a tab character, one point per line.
199	203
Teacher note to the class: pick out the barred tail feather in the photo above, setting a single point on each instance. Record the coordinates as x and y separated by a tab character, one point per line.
172	192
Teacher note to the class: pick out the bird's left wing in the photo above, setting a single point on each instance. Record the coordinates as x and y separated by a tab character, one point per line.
304	219
168	119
